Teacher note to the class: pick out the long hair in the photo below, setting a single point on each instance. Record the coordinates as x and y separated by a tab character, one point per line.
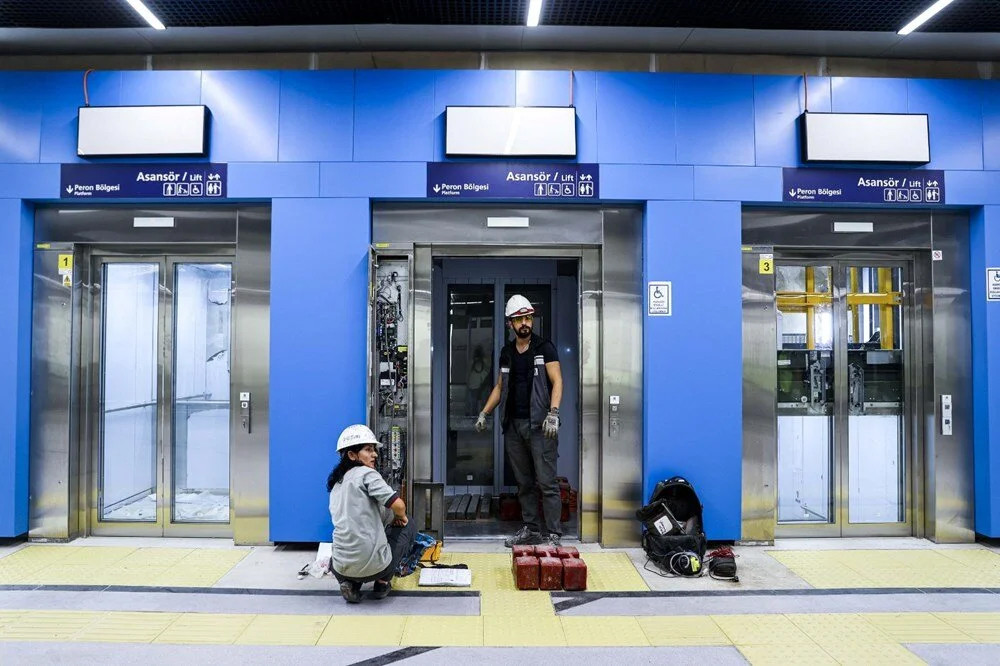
345	464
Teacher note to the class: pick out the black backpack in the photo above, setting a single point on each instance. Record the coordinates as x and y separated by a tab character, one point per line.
673	533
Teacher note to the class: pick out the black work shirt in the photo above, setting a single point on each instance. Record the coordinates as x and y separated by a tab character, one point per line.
522	370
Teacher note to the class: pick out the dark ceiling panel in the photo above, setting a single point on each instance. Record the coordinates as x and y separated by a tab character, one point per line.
849	15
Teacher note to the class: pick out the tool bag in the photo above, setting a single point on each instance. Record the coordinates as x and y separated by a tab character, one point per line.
673	535
411	561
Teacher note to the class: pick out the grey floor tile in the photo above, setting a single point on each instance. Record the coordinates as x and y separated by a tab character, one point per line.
966	655
579	656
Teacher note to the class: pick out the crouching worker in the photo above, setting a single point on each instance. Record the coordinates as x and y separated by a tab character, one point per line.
371	533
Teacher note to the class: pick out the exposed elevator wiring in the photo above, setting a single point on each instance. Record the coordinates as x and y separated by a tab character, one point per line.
86	94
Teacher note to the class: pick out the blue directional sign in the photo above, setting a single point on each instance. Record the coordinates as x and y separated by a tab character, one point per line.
905	187
512	180
143	181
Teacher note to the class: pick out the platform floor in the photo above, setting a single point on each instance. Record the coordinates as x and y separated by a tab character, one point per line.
118	600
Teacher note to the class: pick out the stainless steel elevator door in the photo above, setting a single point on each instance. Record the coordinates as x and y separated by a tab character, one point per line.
159	395
843	446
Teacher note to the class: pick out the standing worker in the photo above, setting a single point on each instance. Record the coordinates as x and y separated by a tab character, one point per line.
528	392
371	533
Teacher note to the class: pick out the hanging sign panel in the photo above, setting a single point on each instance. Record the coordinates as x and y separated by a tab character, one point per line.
898	188
512	180
143	181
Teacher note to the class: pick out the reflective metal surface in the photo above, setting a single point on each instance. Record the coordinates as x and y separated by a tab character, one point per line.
590	396
107	225
759	380
421	448
249	452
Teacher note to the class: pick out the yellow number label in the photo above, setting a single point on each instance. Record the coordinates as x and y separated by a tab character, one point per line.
766	264
65	262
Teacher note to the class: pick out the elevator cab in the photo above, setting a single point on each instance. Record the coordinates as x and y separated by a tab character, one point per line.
149	372
440	277
853	344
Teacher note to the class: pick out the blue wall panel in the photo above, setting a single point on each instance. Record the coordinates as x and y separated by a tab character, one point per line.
394	116
16	223
373	179
259	180
696	245
715	119
956	121
319	286
970	188
869	95
544	88
585	101
29	181
468	88
20	117
316	116
747	184
991	124
629	182
244	108
635	118
778	103
148	88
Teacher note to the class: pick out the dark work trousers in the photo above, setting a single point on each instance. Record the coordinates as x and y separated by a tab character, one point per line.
533	459
400	541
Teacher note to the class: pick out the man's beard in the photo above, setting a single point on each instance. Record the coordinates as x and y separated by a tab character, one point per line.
523	332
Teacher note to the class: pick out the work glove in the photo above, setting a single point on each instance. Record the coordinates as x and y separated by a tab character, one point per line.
481	422
550	426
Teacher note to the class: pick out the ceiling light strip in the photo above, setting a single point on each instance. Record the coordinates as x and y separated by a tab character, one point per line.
925	16
145	13
534	13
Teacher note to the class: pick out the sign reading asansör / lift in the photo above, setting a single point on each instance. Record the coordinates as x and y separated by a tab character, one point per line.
143	181
905	187
512	180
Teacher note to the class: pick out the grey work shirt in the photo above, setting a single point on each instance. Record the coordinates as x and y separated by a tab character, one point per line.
360	514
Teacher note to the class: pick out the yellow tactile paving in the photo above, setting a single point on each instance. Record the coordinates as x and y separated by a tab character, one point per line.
443	630
603	631
983	627
834	628
894	568
284	630
612	572
683	630
123	627
48	625
786	654
516	603
209	628
855	652
512	631
362	630
760	629
917	628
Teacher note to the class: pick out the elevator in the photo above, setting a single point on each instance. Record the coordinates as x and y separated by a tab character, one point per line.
440	278
149	372
856	333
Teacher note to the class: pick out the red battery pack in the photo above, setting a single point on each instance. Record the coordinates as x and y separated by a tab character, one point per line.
550	573
526	573
522	550
567	551
574	574
545	551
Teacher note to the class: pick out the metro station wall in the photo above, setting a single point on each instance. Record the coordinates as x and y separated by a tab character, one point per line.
321	145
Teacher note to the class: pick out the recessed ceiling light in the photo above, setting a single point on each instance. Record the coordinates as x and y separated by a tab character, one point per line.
534	13
925	16
144	12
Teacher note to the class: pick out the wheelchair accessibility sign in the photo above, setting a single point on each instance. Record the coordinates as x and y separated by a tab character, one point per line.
993	284
659	299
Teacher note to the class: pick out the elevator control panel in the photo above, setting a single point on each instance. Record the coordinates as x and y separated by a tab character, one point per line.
614	417
946	417
245	410
390	365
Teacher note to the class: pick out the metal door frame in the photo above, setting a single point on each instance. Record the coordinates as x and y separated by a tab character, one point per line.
838	262
91	378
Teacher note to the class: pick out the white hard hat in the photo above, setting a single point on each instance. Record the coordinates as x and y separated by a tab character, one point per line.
518	305
354	435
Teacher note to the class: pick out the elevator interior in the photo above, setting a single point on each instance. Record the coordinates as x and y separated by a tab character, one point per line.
440	278
146	324
852	342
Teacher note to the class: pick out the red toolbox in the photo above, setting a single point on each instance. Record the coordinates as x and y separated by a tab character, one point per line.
574	574
522	550
545	551
526	573
567	551
550	573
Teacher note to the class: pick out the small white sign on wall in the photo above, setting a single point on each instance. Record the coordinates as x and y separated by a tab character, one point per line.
993	284
660	299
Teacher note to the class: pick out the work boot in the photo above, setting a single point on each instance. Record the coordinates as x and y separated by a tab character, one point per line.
555	540
351	592
381	589
523	537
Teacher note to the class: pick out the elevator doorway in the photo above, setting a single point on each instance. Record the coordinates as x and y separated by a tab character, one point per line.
480	488
159	391
844	368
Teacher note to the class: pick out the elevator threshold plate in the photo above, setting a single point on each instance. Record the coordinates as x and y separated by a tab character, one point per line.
924	568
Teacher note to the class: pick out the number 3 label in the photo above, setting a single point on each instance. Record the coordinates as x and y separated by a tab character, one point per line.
766	264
